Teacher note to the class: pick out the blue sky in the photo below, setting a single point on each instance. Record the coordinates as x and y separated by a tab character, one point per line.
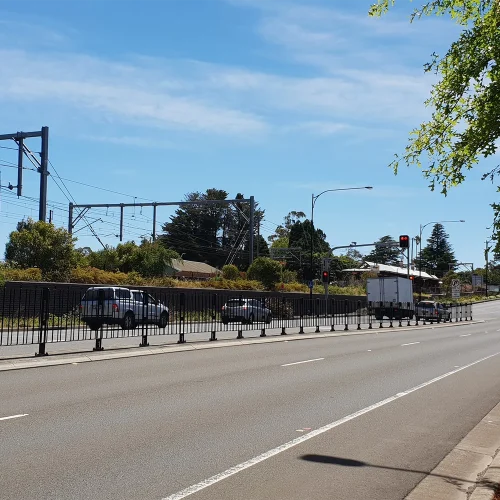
277	99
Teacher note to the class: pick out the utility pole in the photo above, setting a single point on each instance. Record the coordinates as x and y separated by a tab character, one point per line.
42	169
486	258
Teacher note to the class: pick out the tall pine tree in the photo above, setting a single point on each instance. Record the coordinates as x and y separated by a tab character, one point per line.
438	254
381	254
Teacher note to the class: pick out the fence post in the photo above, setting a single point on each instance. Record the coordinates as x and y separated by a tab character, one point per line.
471	311
214	317
466	312
282	310
100	313
145	318
391	314
44	323
381	315
370	326
461	312
359	314
317	316
182	312
400	306
408	308
346	324
301	315
332	305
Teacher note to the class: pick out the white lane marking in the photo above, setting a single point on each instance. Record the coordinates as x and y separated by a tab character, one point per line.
411	343
14	416
369	350
191	490
302	362
466	335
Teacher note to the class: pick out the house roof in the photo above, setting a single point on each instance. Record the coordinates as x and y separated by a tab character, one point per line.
190	266
384	268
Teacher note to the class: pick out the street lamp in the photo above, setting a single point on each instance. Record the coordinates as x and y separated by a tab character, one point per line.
313	203
486	252
422	227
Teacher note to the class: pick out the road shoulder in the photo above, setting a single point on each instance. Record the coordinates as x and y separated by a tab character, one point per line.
474	460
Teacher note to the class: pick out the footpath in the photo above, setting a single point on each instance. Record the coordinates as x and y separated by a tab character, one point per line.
471	471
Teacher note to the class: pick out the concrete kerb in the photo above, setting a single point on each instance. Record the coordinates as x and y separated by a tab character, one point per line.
471	471
132	352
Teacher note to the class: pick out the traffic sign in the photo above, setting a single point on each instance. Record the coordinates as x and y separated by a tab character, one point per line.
455	289
311	284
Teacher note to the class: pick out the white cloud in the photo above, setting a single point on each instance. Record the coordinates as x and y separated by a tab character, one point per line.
133	141
117	90
350	82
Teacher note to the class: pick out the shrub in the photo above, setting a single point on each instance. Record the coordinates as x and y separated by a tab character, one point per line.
230	272
265	270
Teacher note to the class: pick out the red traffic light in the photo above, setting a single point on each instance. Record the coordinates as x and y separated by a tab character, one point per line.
404	241
326	277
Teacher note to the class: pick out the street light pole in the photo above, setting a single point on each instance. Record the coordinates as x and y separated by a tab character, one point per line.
486	251
422	227
313	203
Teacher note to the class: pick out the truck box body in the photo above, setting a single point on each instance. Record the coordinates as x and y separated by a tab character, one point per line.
385	295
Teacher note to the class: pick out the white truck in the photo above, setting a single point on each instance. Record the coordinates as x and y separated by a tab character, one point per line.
391	297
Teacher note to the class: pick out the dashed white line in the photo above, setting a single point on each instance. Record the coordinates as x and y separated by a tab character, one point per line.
302	362
191	490
14	416
466	335
411	343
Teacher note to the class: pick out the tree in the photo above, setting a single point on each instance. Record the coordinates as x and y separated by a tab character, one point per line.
355	255
215	233
149	259
464	125
300	237
383	254
40	244
282	232
438	253
265	270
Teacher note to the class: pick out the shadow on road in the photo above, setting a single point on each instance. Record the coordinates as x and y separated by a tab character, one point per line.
348	462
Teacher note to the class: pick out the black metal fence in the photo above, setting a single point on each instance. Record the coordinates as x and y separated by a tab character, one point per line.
39	315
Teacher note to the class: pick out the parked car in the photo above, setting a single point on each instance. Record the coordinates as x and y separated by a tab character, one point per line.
246	311
432	311
121	306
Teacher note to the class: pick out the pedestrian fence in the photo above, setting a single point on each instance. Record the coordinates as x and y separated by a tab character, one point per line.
43	316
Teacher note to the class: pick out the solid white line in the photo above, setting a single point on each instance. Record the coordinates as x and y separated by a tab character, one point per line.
14	416
411	343
466	335
301	439
301	362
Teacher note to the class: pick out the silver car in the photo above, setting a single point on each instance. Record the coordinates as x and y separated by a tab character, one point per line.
245	311
121	306
431	311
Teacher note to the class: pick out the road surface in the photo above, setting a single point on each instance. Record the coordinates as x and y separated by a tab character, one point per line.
375	413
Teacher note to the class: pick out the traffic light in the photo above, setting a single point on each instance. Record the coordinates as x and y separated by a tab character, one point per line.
326	277
412	278
404	241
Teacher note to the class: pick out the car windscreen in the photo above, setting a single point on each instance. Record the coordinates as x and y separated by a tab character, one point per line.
91	295
426	305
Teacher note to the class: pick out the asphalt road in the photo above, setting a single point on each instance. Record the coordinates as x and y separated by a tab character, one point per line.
157	427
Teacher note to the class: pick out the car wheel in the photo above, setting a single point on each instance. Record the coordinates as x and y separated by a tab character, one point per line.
128	322
163	320
94	326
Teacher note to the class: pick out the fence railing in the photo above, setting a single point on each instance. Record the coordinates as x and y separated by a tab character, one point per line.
43	316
